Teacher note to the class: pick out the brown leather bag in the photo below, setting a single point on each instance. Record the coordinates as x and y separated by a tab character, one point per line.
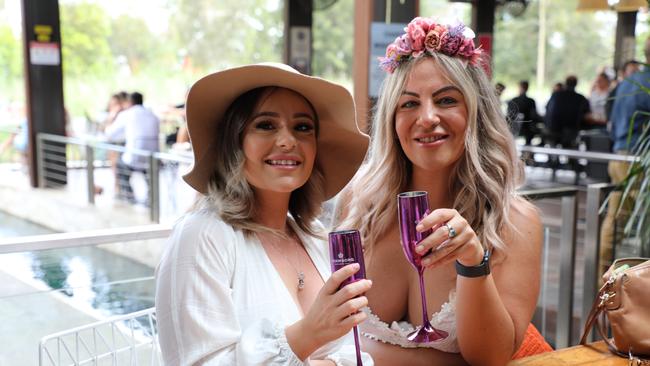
625	300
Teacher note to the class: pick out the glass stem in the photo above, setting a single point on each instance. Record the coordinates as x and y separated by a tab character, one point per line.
358	346
425	313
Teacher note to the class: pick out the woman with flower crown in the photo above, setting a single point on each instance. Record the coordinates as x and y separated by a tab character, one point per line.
438	128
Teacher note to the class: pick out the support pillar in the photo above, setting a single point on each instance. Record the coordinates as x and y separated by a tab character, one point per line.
297	34
483	24
376	24
44	84
624	49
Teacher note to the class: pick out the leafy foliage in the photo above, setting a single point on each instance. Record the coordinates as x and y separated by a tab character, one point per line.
10	49
104	52
636	187
132	40
85	30
578	43
333	41
232	33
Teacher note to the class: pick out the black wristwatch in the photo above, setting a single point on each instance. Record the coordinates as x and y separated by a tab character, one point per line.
483	269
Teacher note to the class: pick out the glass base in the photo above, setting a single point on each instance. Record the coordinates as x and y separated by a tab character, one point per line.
426	333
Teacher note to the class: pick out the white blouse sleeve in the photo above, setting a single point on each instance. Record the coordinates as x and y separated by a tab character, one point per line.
196	316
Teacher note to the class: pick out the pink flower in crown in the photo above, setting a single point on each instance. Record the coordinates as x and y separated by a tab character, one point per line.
388	64
434	38
391	50
403	45
417	30
466	48
476	56
452	40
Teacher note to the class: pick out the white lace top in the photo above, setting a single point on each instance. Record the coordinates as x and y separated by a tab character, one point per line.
396	332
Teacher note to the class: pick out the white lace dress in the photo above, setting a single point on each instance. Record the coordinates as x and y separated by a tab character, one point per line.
396	332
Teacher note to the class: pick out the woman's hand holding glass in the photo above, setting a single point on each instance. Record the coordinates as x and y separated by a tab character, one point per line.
452	239
333	314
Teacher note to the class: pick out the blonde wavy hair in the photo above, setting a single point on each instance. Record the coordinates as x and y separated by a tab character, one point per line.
230	194
483	181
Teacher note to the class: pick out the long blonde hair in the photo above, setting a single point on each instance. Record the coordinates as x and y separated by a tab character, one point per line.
483	181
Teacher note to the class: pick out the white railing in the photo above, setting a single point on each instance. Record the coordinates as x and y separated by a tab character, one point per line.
58	155
83	238
130	339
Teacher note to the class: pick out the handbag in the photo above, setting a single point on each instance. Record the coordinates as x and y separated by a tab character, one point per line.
624	300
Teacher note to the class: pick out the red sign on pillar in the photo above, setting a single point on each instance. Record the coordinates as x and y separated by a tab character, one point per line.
485	42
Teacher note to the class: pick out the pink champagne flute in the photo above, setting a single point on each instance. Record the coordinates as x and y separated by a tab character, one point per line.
345	248
413	207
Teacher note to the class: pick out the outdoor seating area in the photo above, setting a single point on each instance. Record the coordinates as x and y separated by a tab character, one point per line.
270	182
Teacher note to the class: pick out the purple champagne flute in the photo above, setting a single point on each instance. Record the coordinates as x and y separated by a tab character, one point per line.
413	207
345	248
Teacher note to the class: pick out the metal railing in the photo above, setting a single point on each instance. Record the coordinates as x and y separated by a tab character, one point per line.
83	238
568	230
58	154
577	154
596	194
568	195
114	340
130	339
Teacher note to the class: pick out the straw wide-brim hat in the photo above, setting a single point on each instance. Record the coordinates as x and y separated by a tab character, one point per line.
341	147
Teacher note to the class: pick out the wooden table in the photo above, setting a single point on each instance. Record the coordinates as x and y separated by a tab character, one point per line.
595	354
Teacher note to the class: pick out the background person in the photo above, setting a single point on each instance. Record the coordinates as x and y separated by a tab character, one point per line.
629	117
140	129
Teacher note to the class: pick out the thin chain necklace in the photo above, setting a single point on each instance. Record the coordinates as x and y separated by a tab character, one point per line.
299	273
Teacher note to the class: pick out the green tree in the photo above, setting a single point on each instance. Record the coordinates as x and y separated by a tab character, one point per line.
10	56
214	35
578	43
333	41
132	39
85	30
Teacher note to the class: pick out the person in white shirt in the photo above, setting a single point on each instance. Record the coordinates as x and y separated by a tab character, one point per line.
245	277
139	128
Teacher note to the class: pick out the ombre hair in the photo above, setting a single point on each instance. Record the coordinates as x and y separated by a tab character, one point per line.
483	181
230	194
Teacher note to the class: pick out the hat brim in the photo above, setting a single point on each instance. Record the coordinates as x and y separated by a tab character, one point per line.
341	147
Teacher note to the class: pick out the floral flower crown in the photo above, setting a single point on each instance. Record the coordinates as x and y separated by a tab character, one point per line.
424	35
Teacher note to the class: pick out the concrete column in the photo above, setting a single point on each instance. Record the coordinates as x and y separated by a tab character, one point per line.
297	34
483	24
625	38
381	13
43	82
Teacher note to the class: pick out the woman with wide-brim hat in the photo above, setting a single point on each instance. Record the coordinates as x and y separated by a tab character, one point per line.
244	277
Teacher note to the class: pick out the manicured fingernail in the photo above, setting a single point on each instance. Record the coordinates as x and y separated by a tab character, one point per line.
356	265
419	227
426	262
419	249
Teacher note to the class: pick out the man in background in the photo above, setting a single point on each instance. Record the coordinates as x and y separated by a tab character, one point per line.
629	114
522	111
140	128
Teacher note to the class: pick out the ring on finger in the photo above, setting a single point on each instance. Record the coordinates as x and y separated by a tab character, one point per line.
451	231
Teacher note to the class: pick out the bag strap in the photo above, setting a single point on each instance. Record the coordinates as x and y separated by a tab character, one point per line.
593	319
597	308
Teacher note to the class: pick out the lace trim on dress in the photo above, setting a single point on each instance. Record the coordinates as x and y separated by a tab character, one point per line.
396	333
285	350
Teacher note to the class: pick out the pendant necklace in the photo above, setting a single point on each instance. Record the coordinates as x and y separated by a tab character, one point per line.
300	274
